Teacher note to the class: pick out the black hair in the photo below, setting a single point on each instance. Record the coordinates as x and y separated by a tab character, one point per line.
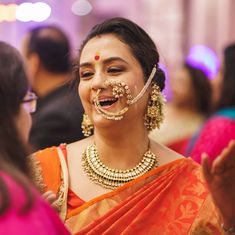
202	88
13	88
139	42
52	46
227	95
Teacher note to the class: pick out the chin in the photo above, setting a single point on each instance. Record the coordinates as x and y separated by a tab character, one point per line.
102	122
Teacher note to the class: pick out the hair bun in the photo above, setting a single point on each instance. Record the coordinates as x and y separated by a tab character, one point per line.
159	78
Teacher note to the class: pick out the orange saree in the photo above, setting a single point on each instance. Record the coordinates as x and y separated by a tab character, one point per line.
169	200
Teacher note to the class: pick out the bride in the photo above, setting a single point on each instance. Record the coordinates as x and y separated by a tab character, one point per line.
118	181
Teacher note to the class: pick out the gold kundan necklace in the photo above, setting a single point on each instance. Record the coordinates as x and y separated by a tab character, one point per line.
111	178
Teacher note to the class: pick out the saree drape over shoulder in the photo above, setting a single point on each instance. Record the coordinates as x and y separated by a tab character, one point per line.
171	199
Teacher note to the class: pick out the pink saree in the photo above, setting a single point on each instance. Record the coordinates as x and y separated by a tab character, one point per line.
214	136
41	219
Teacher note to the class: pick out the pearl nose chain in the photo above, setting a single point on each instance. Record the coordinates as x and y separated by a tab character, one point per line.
119	90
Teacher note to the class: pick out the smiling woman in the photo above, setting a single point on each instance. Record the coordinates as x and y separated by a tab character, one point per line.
118	181
22	210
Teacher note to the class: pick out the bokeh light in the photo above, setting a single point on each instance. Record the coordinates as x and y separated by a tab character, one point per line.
7	12
41	11
81	7
204	58
24	12
37	12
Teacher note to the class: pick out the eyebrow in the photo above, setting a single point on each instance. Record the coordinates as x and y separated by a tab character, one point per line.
106	61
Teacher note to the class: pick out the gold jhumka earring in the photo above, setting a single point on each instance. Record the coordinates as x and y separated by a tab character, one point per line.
87	126
154	114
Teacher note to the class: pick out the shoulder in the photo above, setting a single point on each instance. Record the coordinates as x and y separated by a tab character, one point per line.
224	125
75	152
46	168
164	154
78	147
218	117
51	151
46	157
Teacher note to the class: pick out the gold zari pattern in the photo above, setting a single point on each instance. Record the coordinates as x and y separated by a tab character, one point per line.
111	178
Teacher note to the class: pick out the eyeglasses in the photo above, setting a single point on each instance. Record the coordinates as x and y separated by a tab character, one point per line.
30	102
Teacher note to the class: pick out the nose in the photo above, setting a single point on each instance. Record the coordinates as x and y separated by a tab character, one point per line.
98	81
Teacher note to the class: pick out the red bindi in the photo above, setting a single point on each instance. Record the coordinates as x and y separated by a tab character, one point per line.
97	57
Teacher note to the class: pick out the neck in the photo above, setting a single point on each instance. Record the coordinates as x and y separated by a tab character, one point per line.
123	148
185	107
45	82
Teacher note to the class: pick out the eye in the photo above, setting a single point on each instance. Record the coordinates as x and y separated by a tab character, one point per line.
115	70
86	74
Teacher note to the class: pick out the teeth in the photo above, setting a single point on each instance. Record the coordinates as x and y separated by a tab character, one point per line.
107	101
112	99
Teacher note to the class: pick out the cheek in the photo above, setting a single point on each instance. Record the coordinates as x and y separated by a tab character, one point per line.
80	89
23	123
135	86
84	94
83	91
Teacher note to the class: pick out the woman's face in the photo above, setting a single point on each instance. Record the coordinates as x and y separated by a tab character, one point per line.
106	58
182	87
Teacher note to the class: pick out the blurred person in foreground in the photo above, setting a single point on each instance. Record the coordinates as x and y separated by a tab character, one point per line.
219	129
187	110
118	180
46	50
22	210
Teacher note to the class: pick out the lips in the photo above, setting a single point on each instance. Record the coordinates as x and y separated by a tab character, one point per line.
107	102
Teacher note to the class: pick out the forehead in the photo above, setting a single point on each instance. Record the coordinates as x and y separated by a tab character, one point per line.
107	45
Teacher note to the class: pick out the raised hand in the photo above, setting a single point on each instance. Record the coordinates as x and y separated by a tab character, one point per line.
220	177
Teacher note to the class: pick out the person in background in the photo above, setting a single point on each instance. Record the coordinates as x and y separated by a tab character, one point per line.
118	180
219	128
189	107
22	210
46	50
